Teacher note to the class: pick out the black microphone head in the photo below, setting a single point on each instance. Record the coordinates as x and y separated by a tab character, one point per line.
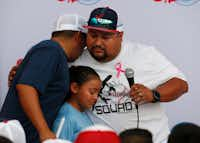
129	73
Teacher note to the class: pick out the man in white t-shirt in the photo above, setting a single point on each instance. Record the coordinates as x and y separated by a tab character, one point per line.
156	79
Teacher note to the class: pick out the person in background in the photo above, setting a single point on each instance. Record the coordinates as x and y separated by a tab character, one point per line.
13	130
4	140
136	135
157	80
97	134
185	133
85	85
41	83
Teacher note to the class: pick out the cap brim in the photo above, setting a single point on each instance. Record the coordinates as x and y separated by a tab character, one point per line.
100	29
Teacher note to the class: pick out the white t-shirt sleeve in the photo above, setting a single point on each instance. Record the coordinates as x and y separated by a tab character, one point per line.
163	69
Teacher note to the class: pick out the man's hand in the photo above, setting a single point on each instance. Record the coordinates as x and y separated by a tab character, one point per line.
46	135
13	71
169	91
12	74
141	94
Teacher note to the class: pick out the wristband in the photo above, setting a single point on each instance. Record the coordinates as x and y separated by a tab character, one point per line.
156	96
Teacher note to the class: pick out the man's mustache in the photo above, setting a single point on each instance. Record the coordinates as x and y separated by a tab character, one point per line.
99	47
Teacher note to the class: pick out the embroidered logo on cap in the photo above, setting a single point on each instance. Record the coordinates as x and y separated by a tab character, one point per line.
95	20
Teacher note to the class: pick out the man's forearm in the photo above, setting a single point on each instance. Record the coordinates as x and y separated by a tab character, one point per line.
29	101
172	89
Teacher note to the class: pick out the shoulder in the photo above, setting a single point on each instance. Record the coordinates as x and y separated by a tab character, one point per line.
65	109
47	43
46	46
68	111
137	46
47	49
65	113
138	50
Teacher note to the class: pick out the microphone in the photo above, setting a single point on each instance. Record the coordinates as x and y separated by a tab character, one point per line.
130	76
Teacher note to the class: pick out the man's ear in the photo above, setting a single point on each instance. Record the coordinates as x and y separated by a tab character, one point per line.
77	35
74	87
121	34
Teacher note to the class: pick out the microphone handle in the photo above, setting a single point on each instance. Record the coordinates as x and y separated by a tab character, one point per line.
131	82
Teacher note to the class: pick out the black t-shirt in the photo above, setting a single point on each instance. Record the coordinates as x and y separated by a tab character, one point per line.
44	68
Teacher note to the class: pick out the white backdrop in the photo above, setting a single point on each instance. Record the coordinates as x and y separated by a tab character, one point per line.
174	29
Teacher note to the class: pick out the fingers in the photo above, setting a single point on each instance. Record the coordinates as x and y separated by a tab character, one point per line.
12	72
11	75
19	61
139	98
138	93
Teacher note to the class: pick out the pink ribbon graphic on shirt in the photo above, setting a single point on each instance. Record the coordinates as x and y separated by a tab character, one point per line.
119	69
71	1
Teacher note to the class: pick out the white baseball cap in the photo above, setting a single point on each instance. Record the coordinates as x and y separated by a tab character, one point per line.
73	22
13	130
56	141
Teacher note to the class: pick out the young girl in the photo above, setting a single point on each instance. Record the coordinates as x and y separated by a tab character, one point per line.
85	85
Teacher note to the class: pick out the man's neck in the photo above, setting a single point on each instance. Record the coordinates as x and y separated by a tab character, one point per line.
62	42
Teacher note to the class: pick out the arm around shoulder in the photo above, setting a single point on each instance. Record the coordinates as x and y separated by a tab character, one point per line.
29	100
